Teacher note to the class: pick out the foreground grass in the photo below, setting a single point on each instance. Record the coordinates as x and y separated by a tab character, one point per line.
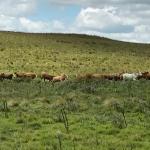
103	115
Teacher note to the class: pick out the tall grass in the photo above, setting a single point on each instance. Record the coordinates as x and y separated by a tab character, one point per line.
93	120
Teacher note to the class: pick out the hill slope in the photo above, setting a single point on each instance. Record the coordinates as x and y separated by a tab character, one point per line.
70	53
73	115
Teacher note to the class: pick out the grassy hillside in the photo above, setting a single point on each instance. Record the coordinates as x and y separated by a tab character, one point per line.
73	115
57	53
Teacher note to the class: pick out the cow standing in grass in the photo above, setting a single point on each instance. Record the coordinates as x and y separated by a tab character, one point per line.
115	77
131	76
7	76
145	75
28	75
46	76
19	75
60	78
97	76
1	76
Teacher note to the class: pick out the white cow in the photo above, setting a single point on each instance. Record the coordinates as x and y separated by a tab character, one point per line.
131	76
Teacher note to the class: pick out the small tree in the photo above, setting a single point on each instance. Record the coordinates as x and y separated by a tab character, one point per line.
120	109
5	108
59	137
65	119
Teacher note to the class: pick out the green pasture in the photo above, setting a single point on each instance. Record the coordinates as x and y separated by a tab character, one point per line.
70	54
80	115
74	114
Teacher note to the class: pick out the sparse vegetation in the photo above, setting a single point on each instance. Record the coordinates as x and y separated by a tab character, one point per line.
106	118
74	114
70	54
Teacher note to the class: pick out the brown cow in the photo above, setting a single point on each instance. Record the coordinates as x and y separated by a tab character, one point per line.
106	76
145	75
46	76
30	75
1	75
8	76
84	76
59	78
20	75
90	76
97	76
102	76
115	77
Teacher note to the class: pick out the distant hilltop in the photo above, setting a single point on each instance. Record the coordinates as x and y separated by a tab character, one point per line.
70	54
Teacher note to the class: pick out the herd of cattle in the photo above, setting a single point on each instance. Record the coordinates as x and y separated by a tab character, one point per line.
45	76
30	75
117	77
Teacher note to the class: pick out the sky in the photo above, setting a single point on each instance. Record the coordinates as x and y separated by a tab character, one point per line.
125	20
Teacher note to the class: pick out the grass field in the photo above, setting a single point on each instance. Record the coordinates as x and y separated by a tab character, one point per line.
95	110
73	115
70	54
